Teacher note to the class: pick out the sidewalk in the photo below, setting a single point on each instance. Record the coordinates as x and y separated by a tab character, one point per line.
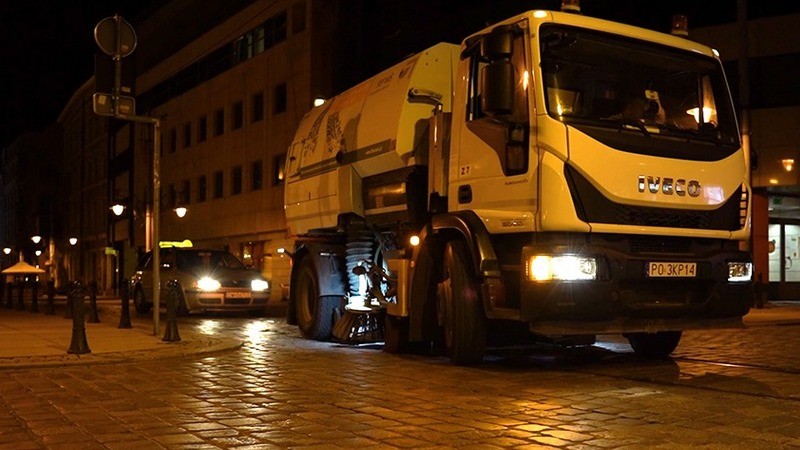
38	340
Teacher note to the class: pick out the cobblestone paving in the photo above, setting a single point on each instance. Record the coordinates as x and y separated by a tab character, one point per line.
280	391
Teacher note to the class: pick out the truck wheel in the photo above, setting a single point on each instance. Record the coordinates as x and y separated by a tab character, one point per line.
654	345
463	317
139	302
395	334
314	313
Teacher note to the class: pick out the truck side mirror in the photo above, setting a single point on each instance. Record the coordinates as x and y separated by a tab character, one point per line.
497	88
499	44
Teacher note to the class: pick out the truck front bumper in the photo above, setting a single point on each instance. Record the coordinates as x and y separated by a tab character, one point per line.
624	298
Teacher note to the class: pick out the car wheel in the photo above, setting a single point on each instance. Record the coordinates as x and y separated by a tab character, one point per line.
654	345
139	302
463	317
314	312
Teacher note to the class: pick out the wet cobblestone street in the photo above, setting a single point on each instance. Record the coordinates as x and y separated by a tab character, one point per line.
723	389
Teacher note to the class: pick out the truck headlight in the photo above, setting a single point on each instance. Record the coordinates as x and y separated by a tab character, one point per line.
564	268
259	285
208	284
740	272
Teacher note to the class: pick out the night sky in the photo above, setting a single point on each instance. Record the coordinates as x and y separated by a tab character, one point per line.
47	46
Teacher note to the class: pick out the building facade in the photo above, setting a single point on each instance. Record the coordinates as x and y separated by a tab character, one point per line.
761	54
228	102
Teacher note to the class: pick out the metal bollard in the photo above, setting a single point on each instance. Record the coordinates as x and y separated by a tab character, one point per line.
93	303
50	310
125	316
10	294
21	295
35	296
68	310
171	332
78	345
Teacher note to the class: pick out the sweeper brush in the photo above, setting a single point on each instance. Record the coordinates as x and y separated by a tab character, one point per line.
357	327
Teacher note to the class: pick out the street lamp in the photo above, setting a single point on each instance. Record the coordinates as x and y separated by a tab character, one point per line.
180	211
73	241
36	239
118	209
7	250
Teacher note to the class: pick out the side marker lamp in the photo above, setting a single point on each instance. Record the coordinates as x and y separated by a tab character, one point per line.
740	272
562	268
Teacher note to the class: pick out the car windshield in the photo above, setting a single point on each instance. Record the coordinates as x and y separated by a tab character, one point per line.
602	80
207	261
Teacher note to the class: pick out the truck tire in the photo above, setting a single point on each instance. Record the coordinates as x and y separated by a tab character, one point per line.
463	317
140	302
314	313
654	345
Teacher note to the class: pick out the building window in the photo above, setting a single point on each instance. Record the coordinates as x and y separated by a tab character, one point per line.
173	140
172	196
237	116
298	17
258	107
202	129
278	170
257	175
187	134
218	180
186	194
280	98
201	189
236	180
219	122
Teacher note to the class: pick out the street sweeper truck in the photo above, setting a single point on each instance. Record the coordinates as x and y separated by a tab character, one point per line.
553	177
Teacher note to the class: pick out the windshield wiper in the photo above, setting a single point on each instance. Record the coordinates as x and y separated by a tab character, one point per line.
674	130
627	124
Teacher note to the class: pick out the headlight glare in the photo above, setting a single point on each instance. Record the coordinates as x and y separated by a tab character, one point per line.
259	285
208	284
563	268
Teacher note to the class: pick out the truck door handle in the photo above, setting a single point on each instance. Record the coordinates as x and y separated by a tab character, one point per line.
464	194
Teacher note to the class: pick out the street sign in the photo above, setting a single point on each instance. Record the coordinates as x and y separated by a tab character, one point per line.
103	105
108	30
104	73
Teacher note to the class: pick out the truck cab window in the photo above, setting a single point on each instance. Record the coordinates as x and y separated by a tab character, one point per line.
506	131
591	79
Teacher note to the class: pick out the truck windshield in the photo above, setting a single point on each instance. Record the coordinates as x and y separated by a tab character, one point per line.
595	79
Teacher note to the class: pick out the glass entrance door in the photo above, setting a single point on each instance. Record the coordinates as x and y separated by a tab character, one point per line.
784	260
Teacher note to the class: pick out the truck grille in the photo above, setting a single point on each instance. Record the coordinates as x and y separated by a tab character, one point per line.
593	207
654	244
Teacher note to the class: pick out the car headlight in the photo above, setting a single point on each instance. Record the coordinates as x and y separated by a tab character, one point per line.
567	268
259	285
208	284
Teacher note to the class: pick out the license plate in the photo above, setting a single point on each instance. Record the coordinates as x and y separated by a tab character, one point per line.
238	295
672	269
